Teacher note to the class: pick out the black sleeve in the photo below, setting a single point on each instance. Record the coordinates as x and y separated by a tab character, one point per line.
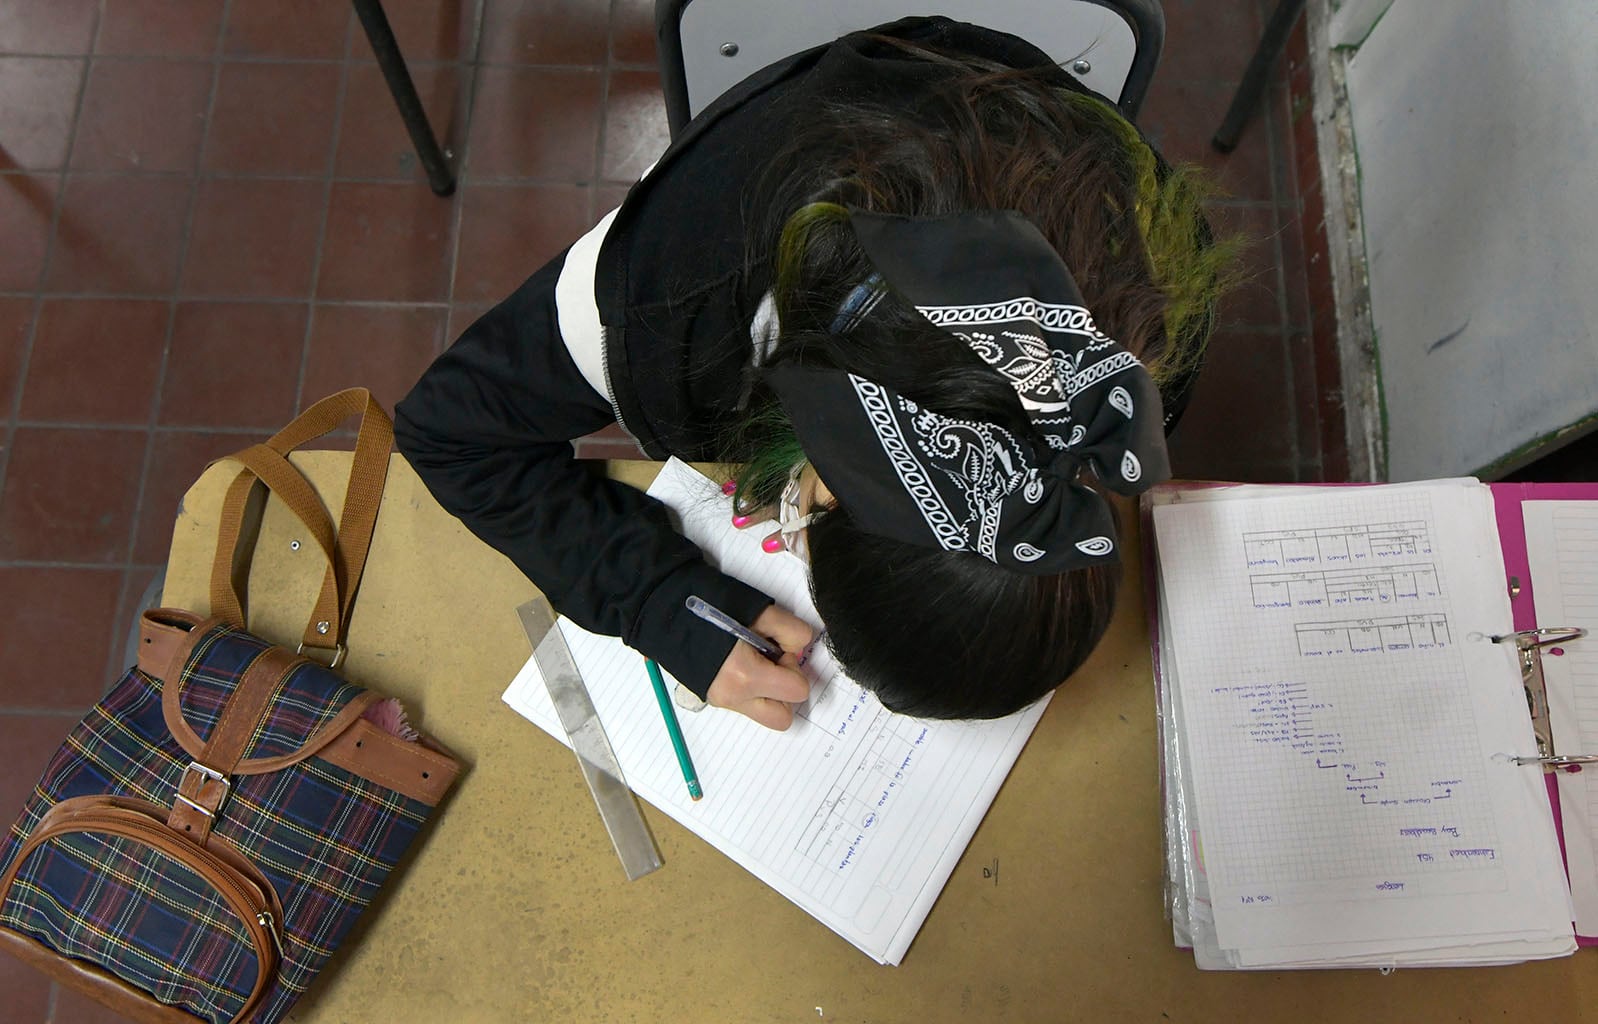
488	429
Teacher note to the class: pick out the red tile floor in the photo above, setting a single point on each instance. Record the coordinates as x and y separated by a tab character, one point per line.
210	216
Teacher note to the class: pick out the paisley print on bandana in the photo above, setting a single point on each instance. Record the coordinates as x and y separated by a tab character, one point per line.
912	473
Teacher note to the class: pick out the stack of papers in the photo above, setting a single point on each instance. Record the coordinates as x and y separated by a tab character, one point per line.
855	814
1339	730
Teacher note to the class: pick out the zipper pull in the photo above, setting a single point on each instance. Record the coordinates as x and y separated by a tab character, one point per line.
264	919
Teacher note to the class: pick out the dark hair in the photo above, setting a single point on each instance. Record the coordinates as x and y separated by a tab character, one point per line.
936	633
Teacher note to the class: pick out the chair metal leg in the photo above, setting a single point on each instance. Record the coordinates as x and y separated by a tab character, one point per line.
439	175
1252	87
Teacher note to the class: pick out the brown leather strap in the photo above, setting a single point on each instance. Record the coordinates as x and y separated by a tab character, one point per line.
115	816
189	740
100	985
166	636
241	516
347	553
86	812
283	480
414	769
199	793
327	734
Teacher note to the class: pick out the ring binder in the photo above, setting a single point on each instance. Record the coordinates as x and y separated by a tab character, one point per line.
1530	644
1298	564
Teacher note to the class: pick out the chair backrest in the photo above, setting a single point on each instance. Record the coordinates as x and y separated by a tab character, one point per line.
707	46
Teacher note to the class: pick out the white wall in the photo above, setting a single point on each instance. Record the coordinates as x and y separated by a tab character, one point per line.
1475	124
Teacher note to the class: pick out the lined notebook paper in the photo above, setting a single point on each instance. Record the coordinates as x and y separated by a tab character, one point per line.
1343	727
1562	545
855	814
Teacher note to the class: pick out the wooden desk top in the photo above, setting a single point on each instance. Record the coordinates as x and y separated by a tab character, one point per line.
513	906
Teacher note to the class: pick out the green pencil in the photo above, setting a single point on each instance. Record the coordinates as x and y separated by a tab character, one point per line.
670	714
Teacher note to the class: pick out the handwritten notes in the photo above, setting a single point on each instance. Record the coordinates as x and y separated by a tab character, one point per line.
855	814
1339	782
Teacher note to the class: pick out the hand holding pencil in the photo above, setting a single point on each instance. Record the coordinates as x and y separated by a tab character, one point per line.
762	689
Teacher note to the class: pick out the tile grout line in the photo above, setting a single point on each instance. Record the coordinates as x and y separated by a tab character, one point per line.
1285	182
1311	458
14	414
1266	113
52	1005
327	213
426	63
189	214
471	81
45	563
159	428
351	179
65	714
256	300
603	124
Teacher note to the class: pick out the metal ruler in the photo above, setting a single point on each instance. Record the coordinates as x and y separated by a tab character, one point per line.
617	805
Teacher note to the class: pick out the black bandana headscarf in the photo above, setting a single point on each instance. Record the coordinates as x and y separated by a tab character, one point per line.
911	474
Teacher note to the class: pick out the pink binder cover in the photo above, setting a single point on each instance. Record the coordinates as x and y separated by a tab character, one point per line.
1517	563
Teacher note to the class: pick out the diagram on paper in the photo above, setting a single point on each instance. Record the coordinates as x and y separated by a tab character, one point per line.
1326	699
1346	588
864	789
1337	546
1367	568
1426	632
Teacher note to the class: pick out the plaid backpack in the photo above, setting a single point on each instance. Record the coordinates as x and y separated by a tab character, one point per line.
212	829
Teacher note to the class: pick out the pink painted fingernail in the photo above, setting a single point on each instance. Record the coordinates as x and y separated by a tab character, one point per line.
772	544
740	521
729	487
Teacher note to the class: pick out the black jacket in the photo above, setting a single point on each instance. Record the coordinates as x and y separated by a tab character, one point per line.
664	346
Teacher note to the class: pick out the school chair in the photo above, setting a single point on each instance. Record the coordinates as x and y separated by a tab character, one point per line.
1252	87
707	46
374	21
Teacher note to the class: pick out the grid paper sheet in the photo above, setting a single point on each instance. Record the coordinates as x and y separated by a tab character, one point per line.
1562	545
1346	725
855	814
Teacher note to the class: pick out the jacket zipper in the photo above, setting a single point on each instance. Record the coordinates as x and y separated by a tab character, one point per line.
604	363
